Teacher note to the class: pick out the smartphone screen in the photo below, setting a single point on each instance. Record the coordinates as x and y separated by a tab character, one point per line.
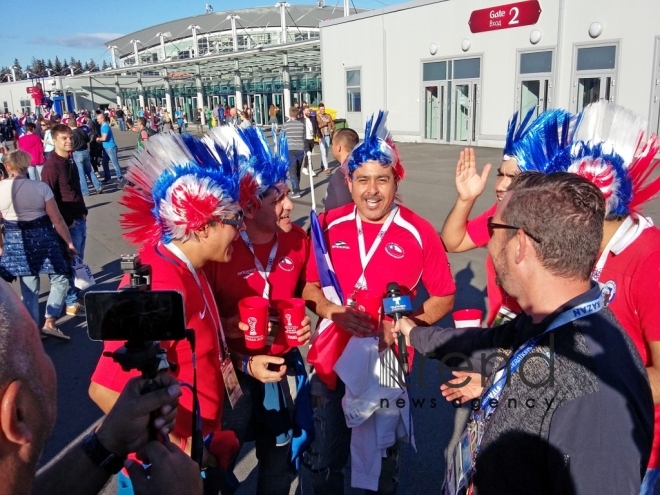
135	315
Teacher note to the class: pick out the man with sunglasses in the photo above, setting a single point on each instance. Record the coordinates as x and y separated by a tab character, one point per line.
268	260
177	239
567	407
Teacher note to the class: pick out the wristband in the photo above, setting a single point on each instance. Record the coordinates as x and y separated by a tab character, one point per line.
246	362
100	456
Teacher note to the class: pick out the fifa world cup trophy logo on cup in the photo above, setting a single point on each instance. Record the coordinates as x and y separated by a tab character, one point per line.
252	323
288	319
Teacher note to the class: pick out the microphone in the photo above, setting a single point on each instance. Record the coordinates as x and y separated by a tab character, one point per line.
396	306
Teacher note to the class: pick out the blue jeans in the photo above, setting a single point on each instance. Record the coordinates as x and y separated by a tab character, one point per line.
30	285
121	123
651	482
85	171
110	154
78	233
324	144
327	455
35	172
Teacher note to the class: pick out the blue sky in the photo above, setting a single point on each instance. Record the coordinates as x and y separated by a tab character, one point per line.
79	28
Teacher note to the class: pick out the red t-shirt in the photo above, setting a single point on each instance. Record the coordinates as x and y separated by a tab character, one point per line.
409	252
631	279
477	229
169	273
239	278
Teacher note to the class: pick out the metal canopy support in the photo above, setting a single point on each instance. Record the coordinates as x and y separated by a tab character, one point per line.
135	50
283	6
286	87
140	90
114	56
195	46
234	34
162	44
238	83
200	94
347	8
168	95
118	91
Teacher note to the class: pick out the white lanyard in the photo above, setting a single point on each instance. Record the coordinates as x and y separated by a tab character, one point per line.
213	311
264	272
365	257
623	229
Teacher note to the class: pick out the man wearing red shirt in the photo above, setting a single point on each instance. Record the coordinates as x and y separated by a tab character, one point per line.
460	235
371	243
177	242
269	261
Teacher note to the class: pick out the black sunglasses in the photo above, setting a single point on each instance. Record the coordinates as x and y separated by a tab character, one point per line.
492	226
236	222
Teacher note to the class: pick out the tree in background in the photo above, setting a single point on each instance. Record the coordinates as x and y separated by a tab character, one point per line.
57	67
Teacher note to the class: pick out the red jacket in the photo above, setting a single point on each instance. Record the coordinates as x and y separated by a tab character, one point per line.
33	145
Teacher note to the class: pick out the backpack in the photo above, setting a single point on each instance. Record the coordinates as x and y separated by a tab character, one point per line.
140	141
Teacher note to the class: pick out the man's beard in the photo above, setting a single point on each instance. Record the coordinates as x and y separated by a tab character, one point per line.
501	268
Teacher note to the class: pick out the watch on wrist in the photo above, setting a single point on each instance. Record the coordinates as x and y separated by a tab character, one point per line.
101	456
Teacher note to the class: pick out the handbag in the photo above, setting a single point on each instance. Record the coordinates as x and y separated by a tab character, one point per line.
83	275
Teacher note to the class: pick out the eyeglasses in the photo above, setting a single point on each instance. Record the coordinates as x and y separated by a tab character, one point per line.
492	226
236	222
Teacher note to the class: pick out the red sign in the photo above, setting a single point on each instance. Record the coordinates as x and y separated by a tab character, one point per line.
31	89
505	16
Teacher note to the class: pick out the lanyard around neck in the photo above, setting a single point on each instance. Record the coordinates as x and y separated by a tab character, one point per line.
264	272
502	376
215	314
365	257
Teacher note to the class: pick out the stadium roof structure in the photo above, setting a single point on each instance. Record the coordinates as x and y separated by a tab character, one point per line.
303	56
298	17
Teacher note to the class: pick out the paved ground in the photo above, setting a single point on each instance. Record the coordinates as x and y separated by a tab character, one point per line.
428	189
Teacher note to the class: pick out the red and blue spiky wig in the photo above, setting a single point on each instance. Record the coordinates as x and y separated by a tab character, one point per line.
377	146
177	185
259	167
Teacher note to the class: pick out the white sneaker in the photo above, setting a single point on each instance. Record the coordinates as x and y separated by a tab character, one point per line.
304	171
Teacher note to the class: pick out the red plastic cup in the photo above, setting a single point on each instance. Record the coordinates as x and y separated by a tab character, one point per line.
254	312
466	318
292	313
370	302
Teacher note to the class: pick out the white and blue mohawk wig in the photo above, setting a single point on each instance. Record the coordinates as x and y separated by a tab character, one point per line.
259	168
377	146
176	185
605	145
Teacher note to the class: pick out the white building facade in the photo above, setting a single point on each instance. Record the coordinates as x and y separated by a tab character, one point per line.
451	71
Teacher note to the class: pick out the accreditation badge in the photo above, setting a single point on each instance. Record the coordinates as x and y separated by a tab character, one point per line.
232	386
460	470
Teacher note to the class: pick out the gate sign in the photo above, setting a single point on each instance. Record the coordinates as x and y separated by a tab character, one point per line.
505	16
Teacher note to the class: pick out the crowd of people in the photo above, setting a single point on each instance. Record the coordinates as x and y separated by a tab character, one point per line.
571	327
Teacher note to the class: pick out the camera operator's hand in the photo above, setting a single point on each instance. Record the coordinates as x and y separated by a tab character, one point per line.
172	471
258	368
125	428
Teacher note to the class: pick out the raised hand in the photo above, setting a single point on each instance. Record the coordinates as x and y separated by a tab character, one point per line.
469	183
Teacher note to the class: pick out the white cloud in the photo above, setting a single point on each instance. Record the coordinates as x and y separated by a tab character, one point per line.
80	40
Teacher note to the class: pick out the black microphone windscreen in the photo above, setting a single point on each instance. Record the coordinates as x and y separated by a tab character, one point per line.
393	289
